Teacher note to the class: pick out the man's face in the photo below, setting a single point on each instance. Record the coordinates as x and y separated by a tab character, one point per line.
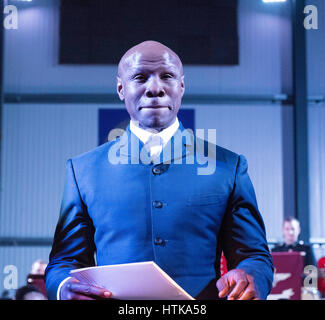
291	231
152	86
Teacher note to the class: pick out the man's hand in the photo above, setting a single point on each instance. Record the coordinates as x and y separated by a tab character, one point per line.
237	285
72	289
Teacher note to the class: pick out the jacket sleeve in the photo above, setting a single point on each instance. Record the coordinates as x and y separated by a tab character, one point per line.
73	245
242	236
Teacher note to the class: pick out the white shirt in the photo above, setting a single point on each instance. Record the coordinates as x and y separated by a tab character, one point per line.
144	135
164	135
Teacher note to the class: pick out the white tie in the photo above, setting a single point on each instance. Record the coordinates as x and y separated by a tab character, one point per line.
154	145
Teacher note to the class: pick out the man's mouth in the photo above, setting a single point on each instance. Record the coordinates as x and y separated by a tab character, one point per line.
154	107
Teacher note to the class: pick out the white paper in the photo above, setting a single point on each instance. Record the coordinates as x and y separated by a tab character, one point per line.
133	281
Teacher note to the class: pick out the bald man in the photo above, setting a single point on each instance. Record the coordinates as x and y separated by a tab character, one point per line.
145	196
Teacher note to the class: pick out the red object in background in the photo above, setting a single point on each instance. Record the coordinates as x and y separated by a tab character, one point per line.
321	276
321	263
37	281
287	281
223	265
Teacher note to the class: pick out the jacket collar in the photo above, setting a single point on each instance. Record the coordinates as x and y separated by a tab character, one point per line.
180	145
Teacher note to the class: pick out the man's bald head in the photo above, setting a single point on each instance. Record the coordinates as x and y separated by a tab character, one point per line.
148	50
151	83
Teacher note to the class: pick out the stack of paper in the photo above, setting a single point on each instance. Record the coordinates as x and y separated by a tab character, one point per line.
133	281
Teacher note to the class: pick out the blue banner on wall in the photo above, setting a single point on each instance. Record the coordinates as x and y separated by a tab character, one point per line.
109	119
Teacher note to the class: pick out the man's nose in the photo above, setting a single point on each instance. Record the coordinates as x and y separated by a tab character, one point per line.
155	88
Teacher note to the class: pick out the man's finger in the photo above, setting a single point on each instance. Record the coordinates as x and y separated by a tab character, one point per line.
89	290
81	297
249	294
238	289
224	287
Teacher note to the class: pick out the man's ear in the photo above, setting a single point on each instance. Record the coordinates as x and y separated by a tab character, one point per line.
119	88
182	85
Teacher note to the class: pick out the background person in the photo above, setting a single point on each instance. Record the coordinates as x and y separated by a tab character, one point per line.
291	231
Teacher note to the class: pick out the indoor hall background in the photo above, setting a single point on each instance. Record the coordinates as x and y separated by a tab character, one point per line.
38	138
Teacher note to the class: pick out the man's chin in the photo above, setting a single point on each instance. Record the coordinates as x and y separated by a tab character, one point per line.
155	123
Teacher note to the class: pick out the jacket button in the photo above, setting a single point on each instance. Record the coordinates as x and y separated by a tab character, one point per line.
159	242
157	204
156	170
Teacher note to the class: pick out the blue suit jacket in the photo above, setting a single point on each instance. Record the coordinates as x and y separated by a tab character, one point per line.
166	212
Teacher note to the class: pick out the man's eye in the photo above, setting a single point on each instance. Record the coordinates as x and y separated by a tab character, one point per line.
139	77
166	76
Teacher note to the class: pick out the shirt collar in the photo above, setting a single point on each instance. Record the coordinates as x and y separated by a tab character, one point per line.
144	135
